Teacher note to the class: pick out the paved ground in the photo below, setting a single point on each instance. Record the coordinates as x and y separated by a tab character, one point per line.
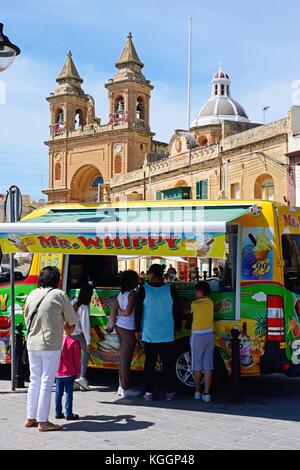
270	419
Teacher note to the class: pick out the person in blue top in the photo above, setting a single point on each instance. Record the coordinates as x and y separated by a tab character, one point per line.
157	317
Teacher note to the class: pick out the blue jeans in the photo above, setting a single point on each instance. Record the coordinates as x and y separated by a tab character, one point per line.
64	384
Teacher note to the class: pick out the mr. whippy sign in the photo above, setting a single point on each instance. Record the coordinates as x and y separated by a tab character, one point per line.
185	232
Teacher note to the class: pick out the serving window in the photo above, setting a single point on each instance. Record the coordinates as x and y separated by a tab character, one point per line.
102	271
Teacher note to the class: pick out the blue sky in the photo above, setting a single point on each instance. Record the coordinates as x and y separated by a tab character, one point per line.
257	41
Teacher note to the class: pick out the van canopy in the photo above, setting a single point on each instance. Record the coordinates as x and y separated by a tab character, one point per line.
193	230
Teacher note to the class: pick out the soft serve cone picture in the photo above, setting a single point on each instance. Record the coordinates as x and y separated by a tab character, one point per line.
257	253
263	245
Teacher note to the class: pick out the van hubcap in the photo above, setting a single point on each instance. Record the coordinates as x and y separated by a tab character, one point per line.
183	369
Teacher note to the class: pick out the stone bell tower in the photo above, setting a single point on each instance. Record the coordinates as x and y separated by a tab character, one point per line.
70	110
70	107
129	105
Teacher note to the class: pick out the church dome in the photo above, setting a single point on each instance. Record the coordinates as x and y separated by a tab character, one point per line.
220	106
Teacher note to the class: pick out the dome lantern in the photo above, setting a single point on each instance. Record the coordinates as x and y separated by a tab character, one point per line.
220	106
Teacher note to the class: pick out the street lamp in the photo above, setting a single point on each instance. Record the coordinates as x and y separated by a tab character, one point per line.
8	51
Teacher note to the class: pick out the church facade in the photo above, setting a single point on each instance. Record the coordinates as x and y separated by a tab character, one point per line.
85	154
222	155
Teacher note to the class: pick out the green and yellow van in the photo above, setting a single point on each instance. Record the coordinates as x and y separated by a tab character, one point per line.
255	245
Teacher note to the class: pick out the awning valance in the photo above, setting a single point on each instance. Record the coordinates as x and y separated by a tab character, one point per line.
174	231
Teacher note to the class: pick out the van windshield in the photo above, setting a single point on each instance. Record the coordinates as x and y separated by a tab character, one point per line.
291	256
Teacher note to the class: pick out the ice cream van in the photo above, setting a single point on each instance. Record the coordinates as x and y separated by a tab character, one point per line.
254	247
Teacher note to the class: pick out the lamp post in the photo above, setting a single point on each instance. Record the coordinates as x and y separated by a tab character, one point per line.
8	51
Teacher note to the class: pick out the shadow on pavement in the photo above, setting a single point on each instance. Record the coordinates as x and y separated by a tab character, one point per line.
107	424
274	397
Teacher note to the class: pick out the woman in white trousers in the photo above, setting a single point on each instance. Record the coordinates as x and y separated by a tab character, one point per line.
47	309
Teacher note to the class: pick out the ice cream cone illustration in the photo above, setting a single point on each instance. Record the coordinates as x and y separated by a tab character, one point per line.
18	243
262	245
203	250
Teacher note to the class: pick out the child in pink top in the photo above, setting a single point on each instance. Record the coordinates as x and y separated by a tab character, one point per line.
68	370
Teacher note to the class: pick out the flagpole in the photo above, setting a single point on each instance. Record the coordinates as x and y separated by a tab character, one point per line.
189	74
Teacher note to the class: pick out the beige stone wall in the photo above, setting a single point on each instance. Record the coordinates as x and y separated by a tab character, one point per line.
247	159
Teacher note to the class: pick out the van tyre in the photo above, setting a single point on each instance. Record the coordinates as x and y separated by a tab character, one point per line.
184	374
183	362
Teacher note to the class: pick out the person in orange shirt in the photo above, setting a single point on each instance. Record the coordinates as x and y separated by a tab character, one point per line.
202	339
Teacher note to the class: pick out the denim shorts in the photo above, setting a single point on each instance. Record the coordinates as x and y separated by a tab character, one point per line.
202	348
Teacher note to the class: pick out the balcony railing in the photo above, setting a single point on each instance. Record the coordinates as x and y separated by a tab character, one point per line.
116	119
57	129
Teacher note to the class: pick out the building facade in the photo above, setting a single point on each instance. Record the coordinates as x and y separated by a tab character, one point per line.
223	154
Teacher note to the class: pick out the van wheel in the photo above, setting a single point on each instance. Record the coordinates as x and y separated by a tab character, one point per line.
185	376
183	363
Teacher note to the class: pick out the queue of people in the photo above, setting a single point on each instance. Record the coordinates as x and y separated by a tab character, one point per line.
145	313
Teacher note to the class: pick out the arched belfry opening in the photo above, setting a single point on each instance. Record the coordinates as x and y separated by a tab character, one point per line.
140	108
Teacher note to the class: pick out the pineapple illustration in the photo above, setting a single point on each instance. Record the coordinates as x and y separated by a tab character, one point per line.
260	334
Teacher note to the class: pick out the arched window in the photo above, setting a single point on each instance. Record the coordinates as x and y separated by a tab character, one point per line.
59	116
118	164
97	181
264	187
57	171
119	104
140	108
78	119
202	140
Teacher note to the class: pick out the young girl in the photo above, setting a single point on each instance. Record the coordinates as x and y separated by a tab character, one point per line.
82	330
202	339
123	308
68	370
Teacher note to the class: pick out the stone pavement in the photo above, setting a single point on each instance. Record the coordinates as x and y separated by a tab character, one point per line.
268	420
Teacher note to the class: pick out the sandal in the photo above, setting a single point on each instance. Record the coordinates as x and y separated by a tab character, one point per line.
72	417
31	423
44	427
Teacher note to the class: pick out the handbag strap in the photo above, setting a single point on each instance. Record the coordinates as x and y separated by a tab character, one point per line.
35	311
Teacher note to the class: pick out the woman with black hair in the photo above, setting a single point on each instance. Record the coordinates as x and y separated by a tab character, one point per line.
123	309
45	311
82	330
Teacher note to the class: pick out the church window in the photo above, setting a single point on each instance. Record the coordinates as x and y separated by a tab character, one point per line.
97	181
140	108
118	164
59	117
202	140
141	146
216	89
57	171
78	119
119	106
222	89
